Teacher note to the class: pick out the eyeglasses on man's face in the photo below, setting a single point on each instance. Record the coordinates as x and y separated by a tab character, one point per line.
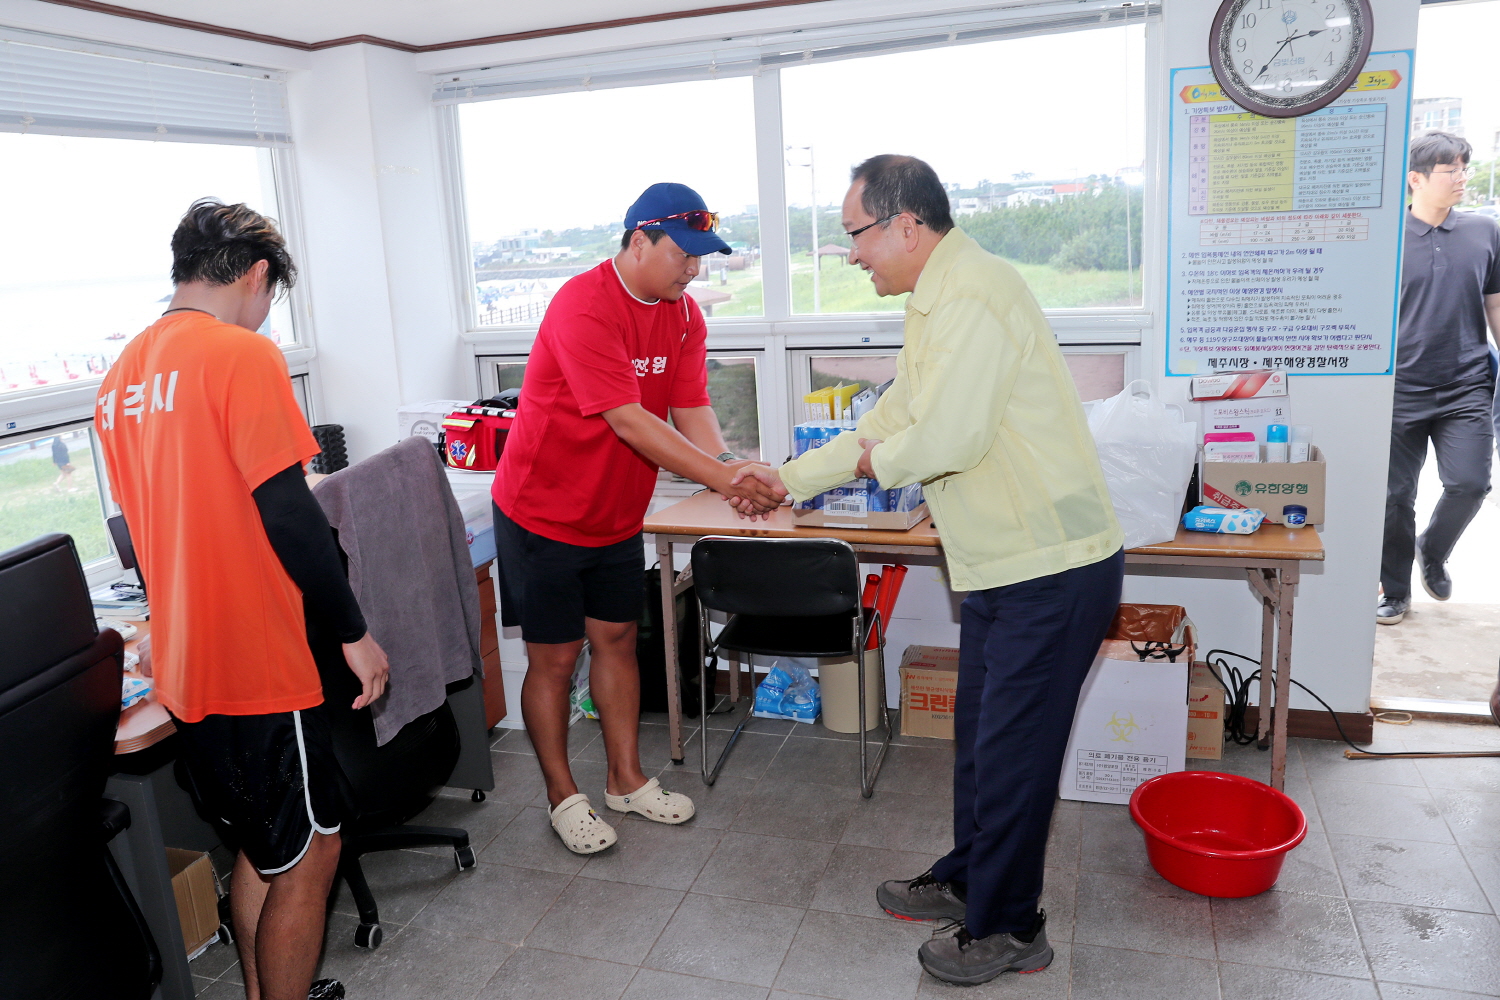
1454	174
855	232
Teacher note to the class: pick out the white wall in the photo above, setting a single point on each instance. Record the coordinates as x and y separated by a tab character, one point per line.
374	226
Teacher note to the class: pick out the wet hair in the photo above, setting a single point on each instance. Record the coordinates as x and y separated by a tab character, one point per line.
895	184
217	244
654	235
1431	148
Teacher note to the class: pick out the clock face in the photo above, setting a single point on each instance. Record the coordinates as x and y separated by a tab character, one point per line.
1289	57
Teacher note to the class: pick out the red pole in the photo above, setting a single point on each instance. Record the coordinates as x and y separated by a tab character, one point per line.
867	599
886	602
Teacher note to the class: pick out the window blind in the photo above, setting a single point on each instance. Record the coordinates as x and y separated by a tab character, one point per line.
63	86
748	56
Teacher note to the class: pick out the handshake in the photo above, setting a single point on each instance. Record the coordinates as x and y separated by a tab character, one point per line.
752	489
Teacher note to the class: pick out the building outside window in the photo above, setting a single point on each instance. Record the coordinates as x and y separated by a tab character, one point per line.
1058	195
535	220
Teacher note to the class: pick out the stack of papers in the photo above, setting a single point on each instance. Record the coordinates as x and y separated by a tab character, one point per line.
119	602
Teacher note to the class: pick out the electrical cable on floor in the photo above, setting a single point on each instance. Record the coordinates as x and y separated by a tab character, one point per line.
1237	688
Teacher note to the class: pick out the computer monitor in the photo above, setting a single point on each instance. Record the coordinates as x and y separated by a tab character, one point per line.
124	548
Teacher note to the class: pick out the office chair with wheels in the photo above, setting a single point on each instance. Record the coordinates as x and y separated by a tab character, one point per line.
788	597
69	926
385	785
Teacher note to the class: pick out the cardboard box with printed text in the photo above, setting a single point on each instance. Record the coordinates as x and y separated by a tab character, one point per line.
1205	737
1267	486
929	689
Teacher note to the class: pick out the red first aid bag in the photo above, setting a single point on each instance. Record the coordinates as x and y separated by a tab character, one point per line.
474	437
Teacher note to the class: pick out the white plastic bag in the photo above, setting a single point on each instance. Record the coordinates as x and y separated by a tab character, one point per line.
1147	451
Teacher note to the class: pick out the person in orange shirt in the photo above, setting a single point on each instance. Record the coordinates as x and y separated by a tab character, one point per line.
205	447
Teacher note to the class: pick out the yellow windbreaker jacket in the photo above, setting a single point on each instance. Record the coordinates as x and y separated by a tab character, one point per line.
984	414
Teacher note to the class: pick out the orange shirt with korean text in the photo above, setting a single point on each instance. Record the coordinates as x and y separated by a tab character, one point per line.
191	419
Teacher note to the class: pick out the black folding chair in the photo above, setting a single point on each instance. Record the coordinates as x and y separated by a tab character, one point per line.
787	597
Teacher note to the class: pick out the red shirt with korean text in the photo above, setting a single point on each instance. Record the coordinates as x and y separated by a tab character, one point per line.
565	474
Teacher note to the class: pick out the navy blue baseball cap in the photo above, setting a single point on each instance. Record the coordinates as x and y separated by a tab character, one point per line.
659	202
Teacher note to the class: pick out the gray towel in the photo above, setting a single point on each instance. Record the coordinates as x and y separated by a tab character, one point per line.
409	568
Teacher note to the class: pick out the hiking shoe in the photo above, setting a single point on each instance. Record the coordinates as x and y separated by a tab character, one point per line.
326	989
921	898
964	960
1390	612
1435	578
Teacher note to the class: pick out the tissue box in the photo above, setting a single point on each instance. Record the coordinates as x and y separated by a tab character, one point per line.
861	503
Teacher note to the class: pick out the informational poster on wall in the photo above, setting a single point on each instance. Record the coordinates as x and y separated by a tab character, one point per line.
1284	234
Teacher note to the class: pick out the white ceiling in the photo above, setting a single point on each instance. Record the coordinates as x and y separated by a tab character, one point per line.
415	22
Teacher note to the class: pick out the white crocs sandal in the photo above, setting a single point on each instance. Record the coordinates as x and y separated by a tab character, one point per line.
581	829
653	802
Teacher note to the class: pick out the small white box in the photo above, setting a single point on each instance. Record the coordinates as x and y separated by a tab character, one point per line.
1131	725
1245	415
425	419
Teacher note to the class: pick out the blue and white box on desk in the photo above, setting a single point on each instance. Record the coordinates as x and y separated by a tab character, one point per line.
812	434
861	503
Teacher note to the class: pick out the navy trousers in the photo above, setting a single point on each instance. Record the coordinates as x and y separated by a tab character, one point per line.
1024	653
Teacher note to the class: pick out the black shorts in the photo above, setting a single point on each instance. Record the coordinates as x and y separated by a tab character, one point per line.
272	779
549	587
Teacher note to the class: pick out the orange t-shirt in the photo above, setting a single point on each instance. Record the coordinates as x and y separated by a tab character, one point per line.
194	416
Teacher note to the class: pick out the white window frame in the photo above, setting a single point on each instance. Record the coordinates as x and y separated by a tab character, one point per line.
780	332
32	409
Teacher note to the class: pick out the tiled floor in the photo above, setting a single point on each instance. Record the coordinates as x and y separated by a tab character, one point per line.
769	891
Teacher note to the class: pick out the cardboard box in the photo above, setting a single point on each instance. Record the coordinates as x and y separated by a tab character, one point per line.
1246	384
929	689
197	898
861	503
1268	486
1205	700
1131	724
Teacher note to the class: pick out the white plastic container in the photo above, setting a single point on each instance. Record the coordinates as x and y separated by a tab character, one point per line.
841	693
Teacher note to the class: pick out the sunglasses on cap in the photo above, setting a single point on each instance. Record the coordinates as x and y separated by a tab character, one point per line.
699	220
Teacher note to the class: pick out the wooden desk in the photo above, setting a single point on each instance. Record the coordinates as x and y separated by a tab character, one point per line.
146	723
1271	559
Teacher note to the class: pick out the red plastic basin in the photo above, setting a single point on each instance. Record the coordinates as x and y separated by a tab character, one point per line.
1216	834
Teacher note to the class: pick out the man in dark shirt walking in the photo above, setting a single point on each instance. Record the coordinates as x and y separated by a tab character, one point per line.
1450	287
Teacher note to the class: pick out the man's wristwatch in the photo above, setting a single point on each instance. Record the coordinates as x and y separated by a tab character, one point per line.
728	456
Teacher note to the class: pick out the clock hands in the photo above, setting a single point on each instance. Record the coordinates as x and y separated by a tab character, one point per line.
1289	40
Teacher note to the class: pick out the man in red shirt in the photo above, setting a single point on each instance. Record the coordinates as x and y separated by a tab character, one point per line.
622	347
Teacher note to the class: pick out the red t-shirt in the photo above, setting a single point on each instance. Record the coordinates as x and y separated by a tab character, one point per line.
565	474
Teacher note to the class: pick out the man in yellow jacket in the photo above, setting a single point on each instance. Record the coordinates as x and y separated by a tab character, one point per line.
984	414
